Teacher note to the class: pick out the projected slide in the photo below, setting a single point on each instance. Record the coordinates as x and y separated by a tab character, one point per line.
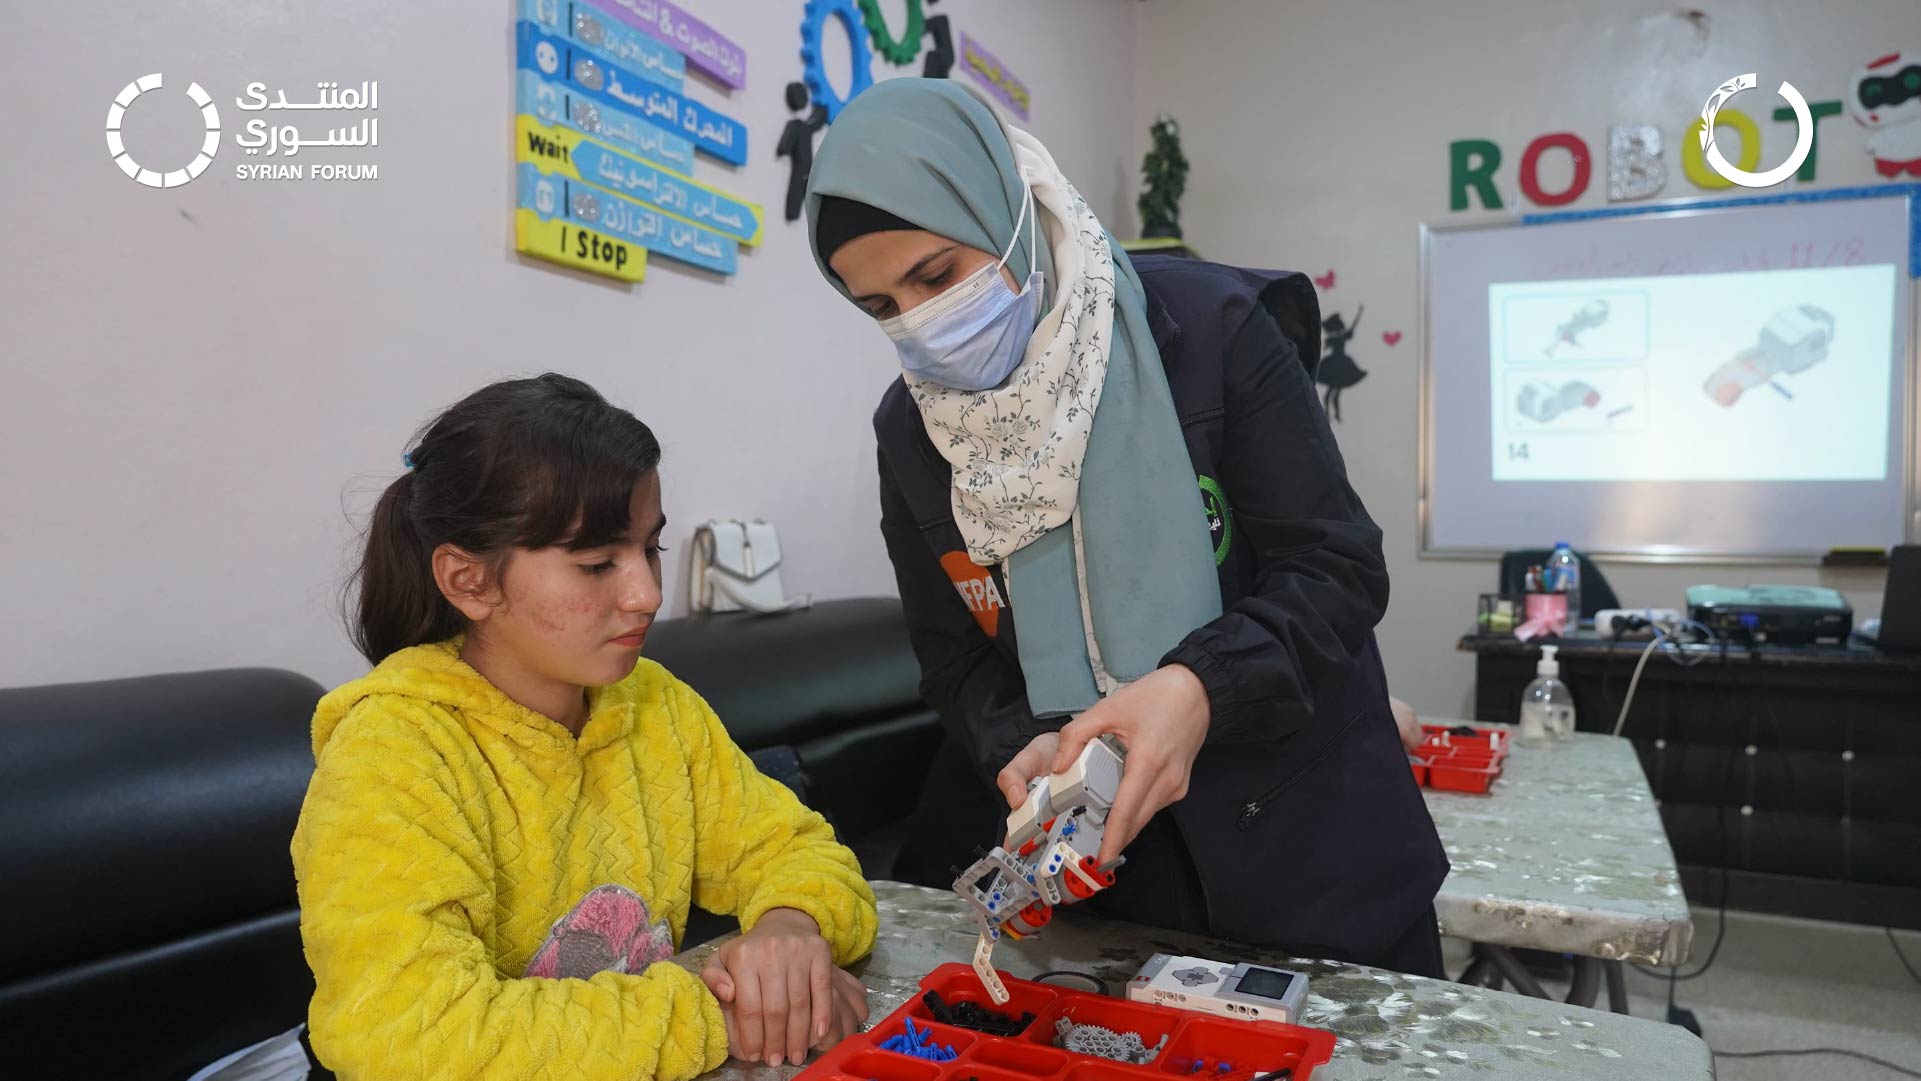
1775	375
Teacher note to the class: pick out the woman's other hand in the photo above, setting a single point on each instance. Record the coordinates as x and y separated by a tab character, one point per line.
1407	722
1161	719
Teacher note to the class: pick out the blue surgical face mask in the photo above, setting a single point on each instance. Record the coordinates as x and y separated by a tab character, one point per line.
975	334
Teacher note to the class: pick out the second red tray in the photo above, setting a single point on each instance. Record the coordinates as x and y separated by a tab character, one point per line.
1458	763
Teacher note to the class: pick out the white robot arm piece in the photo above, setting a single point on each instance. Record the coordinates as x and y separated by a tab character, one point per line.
1053	841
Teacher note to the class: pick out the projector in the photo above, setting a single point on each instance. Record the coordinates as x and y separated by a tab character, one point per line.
1786	615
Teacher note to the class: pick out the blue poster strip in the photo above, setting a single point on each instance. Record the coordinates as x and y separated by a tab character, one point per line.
617	216
588	26
1911	191
555	104
592	75
556	149
623	174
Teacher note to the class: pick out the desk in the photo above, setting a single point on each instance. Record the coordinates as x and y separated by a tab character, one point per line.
1785	774
1567	854
1388	1025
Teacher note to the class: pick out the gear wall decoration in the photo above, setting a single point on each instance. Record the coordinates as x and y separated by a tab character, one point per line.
813	23
900	50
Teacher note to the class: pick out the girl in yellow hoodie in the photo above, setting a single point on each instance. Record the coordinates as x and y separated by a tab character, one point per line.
511	814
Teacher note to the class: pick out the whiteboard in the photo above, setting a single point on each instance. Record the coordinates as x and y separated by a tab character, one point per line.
1692	383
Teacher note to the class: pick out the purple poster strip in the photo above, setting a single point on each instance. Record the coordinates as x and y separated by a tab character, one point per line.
705	48
989	73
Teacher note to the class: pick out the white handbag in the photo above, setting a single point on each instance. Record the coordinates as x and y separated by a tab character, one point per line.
736	566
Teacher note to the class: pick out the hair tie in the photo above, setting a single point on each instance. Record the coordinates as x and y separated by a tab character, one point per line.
407	460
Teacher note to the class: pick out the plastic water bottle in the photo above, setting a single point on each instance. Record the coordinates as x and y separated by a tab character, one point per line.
1564	576
1547	707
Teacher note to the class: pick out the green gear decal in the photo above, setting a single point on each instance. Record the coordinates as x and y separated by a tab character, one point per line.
907	47
1220	516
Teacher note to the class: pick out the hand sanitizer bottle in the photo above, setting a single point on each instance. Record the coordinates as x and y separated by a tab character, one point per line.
1547	707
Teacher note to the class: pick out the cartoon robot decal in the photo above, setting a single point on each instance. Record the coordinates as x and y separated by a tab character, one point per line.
1885	98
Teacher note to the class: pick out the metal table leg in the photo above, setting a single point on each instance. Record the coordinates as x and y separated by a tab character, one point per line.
1477	971
1493	964
1514	971
1586	983
1617	986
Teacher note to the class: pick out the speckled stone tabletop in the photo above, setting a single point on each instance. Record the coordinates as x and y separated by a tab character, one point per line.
1388	1025
1567	853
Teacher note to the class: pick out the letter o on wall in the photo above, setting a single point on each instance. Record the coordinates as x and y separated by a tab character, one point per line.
1694	160
1531	160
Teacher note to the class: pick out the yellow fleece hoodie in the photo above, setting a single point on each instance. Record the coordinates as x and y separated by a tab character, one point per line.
453	841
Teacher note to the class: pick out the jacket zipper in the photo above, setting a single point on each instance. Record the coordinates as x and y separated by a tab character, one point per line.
1252	809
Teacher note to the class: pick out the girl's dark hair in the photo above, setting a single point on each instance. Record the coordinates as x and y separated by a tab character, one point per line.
525	463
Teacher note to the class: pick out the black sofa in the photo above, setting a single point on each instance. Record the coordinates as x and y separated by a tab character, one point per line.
148	894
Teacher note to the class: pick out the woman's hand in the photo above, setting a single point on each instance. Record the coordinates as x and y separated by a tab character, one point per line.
778	985
1161	719
1408	722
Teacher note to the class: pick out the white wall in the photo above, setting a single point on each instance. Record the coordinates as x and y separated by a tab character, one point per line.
1318	132
204	387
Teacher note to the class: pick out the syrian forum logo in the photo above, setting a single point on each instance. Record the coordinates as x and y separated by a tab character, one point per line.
208	148
276	140
1803	140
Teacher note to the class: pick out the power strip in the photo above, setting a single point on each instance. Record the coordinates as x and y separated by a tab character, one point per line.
1605	620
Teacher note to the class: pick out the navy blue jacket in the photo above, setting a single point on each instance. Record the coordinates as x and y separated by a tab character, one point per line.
1302	818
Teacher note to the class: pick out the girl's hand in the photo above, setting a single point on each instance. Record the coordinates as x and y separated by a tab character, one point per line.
849	1015
778	979
1161	719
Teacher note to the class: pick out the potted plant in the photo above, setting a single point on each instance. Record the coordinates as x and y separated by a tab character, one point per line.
1163	179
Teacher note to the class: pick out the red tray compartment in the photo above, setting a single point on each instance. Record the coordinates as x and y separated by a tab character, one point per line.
964	986
1252	1047
1451	776
1483	739
1019	1056
1465	758
938	1035
1150	1021
1213	1041
868	1064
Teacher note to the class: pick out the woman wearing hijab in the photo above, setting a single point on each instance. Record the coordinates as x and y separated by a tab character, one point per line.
1114	505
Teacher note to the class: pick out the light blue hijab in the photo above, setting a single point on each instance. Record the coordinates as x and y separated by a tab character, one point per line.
930	153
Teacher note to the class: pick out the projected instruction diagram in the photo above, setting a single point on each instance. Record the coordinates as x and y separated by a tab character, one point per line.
1762	375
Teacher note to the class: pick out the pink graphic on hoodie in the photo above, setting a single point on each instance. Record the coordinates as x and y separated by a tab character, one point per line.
608	931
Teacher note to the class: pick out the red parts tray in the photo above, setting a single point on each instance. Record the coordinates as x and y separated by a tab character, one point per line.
1248	1048
1457	762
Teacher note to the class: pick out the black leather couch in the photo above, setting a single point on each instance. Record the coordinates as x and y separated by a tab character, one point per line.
146	891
